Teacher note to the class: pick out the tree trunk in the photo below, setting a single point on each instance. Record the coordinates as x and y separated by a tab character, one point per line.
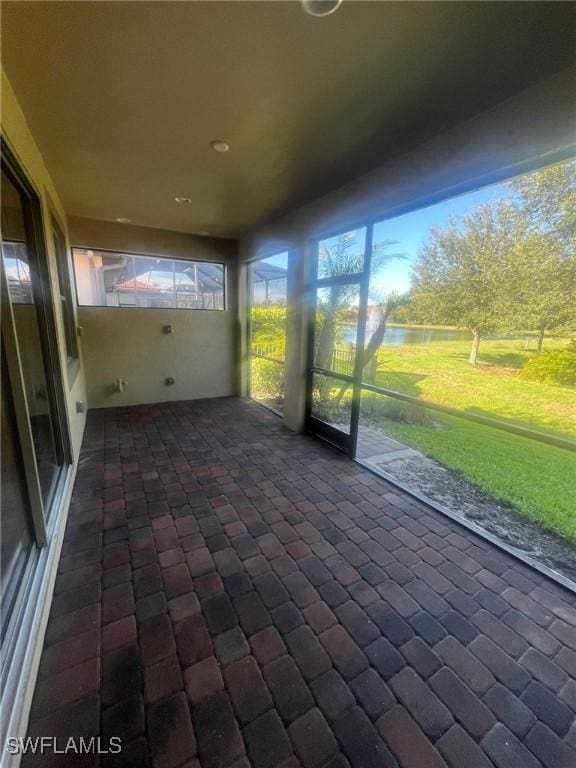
540	347
473	359
372	347
377	337
327	336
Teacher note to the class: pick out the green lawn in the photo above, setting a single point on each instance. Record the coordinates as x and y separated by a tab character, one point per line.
440	372
537	479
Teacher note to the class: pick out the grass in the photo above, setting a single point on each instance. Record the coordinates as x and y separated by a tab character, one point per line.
535	478
440	372
538	480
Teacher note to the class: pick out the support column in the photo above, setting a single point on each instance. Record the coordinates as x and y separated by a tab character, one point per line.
298	318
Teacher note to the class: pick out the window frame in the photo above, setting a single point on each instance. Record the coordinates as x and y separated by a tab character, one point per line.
67	300
164	257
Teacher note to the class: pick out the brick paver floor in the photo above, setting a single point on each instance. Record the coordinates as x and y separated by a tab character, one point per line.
233	594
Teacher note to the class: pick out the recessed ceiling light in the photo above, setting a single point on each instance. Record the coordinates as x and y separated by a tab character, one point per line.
202	233
220	146
182	199
321	7
122	220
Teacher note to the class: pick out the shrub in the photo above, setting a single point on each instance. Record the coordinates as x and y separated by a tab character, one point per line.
267	380
557	366
268	329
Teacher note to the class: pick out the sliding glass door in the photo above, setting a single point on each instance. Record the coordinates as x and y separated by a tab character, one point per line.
267	329
35	440
27	295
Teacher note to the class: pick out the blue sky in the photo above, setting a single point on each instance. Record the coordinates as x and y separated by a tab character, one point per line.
410	231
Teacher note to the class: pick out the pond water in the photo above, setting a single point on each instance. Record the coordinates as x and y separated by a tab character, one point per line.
397	335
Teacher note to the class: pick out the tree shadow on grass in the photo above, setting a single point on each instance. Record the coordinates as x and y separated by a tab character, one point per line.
399	381
505	359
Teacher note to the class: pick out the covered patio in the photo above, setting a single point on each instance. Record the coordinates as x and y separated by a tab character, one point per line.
288	351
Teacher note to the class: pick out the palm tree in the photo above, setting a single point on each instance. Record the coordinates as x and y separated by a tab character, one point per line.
341	259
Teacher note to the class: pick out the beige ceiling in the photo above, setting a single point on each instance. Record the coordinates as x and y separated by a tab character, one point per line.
124	97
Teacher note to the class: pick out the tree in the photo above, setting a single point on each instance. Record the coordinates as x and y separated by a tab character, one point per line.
547	199
340	259
545	284
508	265
460	275
337	259
384	305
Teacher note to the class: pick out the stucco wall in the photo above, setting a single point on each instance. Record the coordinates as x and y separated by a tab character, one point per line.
535	127
130	344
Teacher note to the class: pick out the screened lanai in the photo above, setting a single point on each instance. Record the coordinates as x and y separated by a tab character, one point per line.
288	385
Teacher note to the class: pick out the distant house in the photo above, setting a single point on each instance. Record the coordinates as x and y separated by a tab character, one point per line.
198	286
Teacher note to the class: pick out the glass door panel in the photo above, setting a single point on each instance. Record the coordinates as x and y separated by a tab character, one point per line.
336	327
332	402
25	295
15	530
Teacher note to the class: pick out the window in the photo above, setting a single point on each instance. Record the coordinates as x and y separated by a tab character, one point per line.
14	250
17	272
342	254
65	289
109	279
